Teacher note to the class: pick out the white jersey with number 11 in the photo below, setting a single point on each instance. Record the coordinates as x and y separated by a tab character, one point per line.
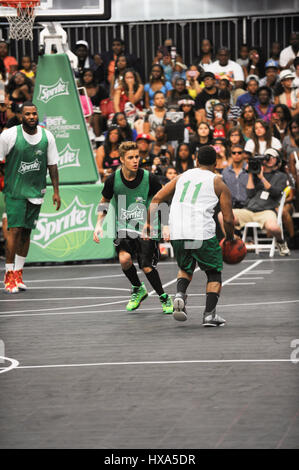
192	207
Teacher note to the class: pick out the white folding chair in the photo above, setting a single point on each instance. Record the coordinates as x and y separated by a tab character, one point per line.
264	243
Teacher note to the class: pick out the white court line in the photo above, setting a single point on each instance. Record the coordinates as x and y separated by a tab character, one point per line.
143	363
242	283
121	301
66	298
77	278
13	364
152	309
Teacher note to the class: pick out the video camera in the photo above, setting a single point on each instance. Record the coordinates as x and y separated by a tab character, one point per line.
255	163
162	155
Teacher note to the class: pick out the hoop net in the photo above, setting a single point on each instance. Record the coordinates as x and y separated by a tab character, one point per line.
21	24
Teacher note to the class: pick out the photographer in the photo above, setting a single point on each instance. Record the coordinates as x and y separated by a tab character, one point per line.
264	189
160	164
146	157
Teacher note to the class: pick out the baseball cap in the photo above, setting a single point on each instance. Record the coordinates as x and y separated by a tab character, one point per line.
183	66
144	137
82	43
252	77
208	74
286	74
272	152
271	63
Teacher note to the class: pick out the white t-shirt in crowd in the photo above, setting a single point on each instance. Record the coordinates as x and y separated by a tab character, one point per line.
286	55
232	70
250	145
8	139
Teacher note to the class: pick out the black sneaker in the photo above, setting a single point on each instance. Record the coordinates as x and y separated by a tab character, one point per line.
212	319
179	310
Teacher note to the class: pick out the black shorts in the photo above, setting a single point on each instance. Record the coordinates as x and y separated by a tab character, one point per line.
145	251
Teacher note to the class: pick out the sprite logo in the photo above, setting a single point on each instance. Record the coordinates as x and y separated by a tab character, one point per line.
135	214
48	92
26	167
76	217
68	157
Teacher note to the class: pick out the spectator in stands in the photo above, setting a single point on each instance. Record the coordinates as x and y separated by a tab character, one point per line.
170	173
130	90
218	120
161	141
232	110
203	136
289	142
146	157
96	93
264	193
288	54
26	67
19	88
256	63
157	82
3	73
183	159
107	155
192	83
281	118
156	115
167	65
120	120
206	57
85	60
264	107
121	65
187	107
296	79
235	137
262	139
252	84
225	66
110	57
243	58
210	92
236	176
271	79
160	163
178	93
247	120
179	71
285	93
222	161
275	51
10	62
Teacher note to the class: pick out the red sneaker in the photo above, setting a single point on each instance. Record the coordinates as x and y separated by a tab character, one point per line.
19	280
10	286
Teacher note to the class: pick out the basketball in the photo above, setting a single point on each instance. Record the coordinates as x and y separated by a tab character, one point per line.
233	252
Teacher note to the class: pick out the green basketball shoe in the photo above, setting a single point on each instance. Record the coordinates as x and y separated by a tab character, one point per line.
138	295
167	304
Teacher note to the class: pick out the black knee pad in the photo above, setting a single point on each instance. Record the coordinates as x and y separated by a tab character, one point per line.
214	276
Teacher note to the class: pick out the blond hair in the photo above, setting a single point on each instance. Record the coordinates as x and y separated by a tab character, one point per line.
125	147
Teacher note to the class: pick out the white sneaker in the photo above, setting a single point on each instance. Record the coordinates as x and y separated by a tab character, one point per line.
283	249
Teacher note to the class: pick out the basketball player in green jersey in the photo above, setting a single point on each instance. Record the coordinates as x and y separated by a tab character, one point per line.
133	189
194	195
28	151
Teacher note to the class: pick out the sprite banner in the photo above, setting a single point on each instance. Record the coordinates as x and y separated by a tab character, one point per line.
60	111
67	234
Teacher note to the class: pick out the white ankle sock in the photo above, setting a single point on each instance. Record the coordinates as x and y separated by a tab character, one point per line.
19	262
9	267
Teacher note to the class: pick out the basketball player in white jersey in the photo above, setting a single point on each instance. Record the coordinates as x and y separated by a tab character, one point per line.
195	193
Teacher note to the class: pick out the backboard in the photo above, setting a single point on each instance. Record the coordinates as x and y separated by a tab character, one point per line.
69	10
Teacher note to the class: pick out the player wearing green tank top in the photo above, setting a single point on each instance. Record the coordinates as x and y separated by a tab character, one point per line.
28	151
132	189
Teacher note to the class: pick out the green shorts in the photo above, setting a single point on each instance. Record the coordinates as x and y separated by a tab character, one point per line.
21	213
208	256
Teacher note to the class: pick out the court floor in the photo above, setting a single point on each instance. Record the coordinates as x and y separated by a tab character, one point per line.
82	372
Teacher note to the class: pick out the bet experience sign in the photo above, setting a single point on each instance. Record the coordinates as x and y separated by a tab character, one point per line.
67	234
59	108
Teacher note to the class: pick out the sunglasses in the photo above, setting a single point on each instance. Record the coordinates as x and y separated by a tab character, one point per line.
237	153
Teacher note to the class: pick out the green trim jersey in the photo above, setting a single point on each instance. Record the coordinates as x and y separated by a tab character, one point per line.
192	207
26	159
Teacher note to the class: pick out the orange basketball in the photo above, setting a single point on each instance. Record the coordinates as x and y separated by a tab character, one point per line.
233	252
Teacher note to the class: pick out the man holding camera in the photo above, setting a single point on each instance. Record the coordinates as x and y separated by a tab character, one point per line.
264	188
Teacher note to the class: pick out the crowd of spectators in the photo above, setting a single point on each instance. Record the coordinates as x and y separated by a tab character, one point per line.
243	108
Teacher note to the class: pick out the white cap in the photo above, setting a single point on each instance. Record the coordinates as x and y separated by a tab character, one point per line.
286	74
82	43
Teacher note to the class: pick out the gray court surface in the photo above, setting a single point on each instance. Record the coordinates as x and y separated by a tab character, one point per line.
84	373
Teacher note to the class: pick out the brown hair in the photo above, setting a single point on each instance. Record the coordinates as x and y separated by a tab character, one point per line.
125	147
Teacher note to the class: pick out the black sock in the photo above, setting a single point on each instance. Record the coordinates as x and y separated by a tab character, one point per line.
182	284
211	301
132	275
155	281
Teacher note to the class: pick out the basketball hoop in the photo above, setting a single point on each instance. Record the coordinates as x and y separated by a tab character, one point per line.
21	23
